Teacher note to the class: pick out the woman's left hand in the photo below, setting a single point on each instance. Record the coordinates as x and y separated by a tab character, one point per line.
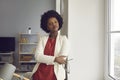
60	59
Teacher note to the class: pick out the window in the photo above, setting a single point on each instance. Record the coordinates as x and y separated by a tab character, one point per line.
114	38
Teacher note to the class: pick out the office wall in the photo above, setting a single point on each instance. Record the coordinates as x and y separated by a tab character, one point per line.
86	32
17	15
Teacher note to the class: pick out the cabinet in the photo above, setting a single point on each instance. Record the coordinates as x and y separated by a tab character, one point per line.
27	45
6	58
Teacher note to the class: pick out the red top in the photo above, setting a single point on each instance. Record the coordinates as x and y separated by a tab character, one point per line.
46	72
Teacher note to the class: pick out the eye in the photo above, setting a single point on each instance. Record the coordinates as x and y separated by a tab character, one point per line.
55	21
49	24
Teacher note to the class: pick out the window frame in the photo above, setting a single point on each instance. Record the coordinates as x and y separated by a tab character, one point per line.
108	33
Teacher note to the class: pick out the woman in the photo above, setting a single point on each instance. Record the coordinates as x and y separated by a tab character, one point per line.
52	49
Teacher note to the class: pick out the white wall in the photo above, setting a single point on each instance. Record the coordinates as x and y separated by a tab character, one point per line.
86	33
17	15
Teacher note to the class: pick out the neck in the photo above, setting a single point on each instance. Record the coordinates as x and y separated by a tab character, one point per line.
53	34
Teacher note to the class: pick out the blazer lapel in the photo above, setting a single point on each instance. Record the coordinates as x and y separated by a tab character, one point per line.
57	46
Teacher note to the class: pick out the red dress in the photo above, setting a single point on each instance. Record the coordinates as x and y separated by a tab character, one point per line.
46	72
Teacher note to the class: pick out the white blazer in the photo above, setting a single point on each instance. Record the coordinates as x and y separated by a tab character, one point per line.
61	48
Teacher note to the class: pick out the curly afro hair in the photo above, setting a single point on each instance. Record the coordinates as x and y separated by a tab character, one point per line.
46	16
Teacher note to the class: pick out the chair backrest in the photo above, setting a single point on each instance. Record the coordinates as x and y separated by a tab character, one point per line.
6	72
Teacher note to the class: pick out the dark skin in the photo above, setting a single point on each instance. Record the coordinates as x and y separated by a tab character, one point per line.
53	26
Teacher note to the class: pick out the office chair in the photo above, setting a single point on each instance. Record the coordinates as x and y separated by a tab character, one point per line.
7	72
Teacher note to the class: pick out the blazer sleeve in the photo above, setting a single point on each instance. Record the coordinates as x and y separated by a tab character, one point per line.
39	54
65	46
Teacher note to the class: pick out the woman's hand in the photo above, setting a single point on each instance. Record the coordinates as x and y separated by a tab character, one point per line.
60	59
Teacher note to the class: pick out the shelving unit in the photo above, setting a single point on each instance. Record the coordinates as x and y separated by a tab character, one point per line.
6	58
27	46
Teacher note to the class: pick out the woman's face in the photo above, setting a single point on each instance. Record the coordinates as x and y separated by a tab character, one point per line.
53	24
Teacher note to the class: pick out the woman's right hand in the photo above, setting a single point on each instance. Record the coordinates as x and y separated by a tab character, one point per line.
60	59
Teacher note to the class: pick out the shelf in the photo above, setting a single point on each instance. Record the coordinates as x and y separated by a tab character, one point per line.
29	34
26	53
32	61
10	53
27	45
6	58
